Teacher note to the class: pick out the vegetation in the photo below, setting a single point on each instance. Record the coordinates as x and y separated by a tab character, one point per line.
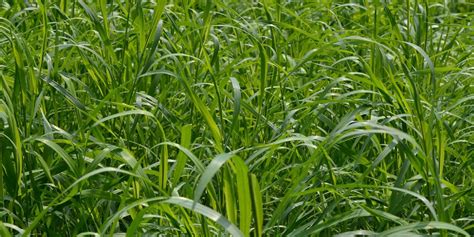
244	118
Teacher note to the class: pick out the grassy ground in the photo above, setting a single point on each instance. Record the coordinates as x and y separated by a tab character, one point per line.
254	118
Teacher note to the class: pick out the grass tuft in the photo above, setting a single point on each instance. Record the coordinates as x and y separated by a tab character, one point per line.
242	118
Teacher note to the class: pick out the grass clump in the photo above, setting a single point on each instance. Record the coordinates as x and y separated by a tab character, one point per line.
254	118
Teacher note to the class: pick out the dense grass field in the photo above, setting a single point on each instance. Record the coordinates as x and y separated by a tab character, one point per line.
242	118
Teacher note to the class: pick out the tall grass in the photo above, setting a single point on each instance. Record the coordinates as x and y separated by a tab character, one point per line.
253	118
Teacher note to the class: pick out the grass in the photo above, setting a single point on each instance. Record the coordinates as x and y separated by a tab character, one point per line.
254	118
